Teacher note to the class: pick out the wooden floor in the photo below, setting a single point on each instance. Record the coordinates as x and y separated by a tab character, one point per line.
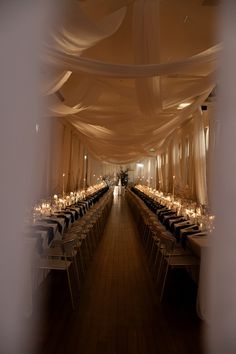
119	311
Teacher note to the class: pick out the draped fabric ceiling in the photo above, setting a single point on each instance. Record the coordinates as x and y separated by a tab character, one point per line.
123	67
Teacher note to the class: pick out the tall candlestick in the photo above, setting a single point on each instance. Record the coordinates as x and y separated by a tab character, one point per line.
63	185
86	172
173	192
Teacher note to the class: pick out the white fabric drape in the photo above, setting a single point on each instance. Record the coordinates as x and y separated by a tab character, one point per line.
220	278
73	33
159	173
122	133
54	81
60	110
184	156
200	158
198	62
64	160
146	38
124	109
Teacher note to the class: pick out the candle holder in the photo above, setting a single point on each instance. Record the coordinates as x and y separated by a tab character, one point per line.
173	189
63	185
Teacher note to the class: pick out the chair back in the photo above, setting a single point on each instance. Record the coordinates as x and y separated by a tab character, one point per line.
68	246
168	242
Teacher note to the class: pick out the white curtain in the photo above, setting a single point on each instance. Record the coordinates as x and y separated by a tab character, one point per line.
64	162
184	156
200	158
159	173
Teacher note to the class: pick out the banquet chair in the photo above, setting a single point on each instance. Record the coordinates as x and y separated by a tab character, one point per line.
81	236
58	261
173	257
156	231
161	250
154	228
69	248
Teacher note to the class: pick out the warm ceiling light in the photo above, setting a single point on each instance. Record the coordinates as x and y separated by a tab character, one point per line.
186	19
152	150
139	165
183	105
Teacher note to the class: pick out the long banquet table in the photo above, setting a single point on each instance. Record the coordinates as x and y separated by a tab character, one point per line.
190	236
41	234
180	227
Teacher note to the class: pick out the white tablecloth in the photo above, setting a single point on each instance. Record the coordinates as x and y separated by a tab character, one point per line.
200	246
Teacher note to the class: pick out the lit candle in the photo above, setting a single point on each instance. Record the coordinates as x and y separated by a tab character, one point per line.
173	187
63	184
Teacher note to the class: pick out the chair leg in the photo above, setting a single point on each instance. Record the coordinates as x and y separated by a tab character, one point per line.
164	281
79	260
160	267
89	243
151	252
70	288
77	270
86	243
154	255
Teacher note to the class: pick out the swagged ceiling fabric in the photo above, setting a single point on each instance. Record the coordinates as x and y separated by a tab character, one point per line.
124	66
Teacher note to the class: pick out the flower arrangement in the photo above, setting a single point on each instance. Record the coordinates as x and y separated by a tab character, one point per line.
123	175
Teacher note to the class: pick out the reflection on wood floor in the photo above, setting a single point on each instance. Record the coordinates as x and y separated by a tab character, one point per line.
119	311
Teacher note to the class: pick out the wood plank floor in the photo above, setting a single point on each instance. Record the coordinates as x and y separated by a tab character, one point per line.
119	311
